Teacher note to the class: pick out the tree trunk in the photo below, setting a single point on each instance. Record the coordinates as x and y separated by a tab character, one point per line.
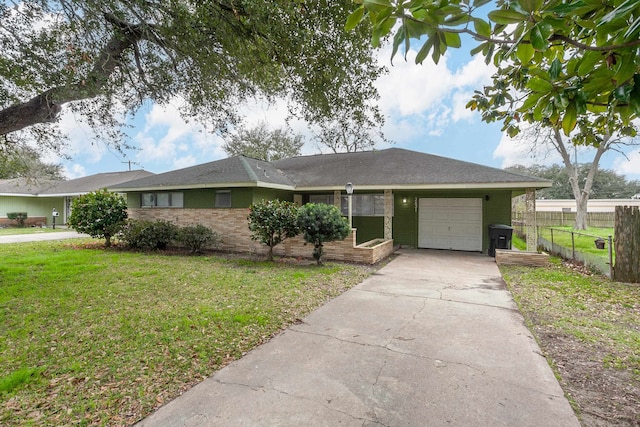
581	194
627	244
581	212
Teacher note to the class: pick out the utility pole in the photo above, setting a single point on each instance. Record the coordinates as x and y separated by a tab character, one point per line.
130	162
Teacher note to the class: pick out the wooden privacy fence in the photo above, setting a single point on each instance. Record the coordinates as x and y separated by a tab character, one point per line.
627	232
559	219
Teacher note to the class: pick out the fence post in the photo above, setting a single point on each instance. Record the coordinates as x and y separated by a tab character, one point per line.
610	258
573	246
551	229
627	232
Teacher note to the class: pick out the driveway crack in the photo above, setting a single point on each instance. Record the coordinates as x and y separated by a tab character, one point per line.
364	420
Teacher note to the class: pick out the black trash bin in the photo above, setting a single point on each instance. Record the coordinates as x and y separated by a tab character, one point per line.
499	237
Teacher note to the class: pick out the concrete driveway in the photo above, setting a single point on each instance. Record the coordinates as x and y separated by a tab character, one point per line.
432	339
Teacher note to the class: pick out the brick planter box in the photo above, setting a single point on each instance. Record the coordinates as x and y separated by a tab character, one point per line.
532	259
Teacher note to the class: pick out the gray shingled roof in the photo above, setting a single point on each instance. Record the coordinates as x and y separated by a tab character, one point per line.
73	187
234	171
393	167
23	186
94	182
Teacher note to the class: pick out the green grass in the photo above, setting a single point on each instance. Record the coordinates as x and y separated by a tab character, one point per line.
518	243
94	336
29	230
602	314
584	244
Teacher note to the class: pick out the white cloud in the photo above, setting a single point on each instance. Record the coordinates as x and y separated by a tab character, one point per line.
168	141
410	89
75	171
81	138
186	161
524	151
423	100
629	167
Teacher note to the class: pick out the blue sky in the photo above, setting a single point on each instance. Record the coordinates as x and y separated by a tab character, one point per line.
424	107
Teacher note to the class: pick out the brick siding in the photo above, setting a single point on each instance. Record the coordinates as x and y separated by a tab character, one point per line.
35	221
232	226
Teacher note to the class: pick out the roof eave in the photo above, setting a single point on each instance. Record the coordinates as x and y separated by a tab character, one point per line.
452	186
18	194
258	184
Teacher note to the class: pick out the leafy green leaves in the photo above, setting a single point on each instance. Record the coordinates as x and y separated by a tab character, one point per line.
321	223
506	17
272	221
103	59
99	214
558	62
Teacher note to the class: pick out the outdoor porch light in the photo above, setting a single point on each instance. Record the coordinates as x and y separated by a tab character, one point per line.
404	200
349	188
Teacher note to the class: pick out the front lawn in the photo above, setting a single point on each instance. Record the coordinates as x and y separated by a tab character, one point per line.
92	336
589	329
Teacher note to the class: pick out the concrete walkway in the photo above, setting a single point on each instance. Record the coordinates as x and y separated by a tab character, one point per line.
61	235
432	339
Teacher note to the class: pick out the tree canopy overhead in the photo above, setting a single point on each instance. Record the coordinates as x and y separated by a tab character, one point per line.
564	63
105	58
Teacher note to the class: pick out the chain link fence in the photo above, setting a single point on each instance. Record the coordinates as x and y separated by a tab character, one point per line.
594	251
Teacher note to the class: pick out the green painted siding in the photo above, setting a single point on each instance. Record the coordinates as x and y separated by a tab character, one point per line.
405	220
260	194
205	198
33	206
369	228
133	200
200	199
496	210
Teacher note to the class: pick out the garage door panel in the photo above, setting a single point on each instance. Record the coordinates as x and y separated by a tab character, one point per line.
450	223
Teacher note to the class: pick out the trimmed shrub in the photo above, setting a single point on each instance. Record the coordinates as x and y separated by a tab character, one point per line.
148	235
322	223
100	214
272	221
19	217
197	237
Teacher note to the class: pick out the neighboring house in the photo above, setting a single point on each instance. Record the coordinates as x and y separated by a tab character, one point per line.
405	197
39	198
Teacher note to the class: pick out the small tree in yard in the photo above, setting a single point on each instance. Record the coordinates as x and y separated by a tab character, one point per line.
99	214
322	223
272	221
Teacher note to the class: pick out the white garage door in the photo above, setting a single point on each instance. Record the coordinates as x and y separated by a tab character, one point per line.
450	224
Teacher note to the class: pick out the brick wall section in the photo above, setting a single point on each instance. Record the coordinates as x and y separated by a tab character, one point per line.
35	221
231	225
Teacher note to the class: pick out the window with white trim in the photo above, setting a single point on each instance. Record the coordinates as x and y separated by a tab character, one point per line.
223	199
162	200
363	205
327	199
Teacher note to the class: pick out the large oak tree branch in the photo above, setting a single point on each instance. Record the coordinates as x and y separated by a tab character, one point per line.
46	106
